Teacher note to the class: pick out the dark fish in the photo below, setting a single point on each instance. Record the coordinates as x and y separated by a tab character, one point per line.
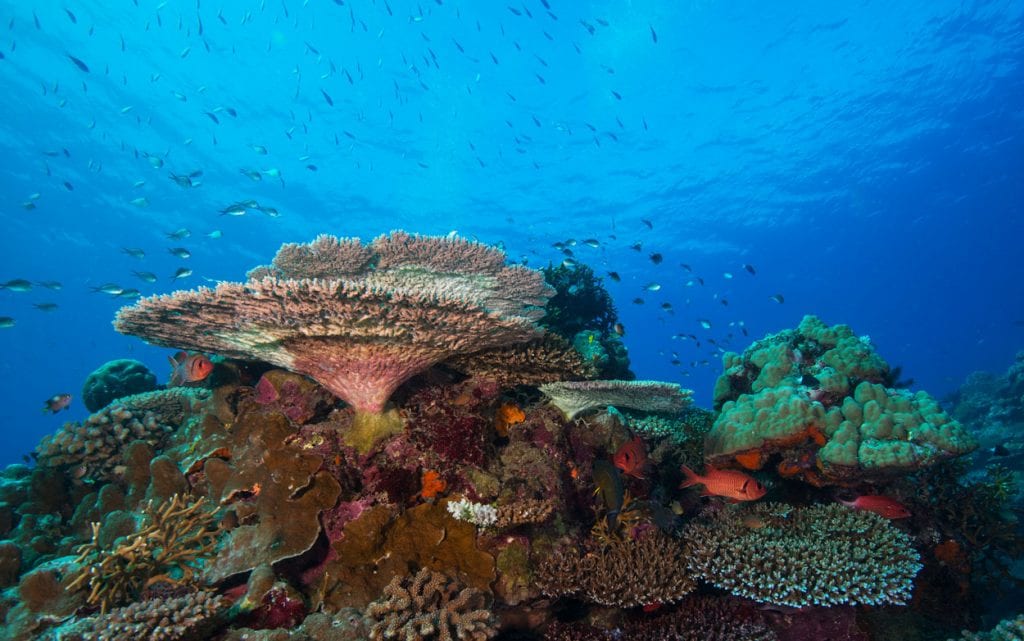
609	487
68	186
615	276
809	381
646	222
589	27
71	16
327	97
750	269
180	252
6	322
617	95
619	329
778	298
1000	450
637	246
212	117
78	63
515	12
654	35
656	258
638	301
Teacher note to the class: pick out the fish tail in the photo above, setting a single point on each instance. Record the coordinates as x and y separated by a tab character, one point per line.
691	478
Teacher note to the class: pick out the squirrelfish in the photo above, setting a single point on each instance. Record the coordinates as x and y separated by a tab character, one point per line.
189	368
881	505
731	484
631	457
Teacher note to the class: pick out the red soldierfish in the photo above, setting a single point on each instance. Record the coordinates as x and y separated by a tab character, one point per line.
57	403
880	505
731	484
631	457
189	368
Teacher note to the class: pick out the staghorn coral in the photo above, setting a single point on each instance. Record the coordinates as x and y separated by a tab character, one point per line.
176	618
624	574
574	398
116	379
429	605
169	548
544	360
360	320
815	556
95	448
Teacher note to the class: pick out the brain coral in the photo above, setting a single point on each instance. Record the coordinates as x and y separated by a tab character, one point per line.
815	556
114	380
812	397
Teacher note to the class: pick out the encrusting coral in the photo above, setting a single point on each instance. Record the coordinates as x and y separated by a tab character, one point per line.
430	605
576	397
176	618
94	449
358	319
648	571
1007	630
169	547
822	555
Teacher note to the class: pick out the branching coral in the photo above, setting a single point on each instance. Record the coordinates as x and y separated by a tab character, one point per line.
429	605
170	547
545	360
178	618
1008	630
358	319
647	571
817	556
574	398
94	449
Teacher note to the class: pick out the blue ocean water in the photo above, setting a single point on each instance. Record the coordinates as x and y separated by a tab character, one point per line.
866	160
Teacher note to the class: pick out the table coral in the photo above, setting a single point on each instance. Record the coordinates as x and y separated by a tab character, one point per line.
429	605
811	398
544	360
815	556
574	398
358	319
647	571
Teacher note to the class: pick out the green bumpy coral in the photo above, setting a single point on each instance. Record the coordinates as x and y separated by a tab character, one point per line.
814	397
823	555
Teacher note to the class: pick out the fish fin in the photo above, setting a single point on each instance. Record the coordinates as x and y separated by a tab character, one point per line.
706	492
691	478
743	488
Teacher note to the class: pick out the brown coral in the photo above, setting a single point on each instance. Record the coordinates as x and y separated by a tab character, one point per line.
648	571
429	605
358	319
94	449
168	549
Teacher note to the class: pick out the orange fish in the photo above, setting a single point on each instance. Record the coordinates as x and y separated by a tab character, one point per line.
189	368
881	505
731	484
57	403
631	457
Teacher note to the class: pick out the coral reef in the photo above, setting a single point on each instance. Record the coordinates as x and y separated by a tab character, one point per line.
358	319
580	302
814	556
94	449
574	398
648	571
811	402
429	605
116	379
177	618
992	407
169	548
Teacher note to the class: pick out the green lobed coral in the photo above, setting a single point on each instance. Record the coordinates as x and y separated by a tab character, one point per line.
116	379
815	395
823	555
